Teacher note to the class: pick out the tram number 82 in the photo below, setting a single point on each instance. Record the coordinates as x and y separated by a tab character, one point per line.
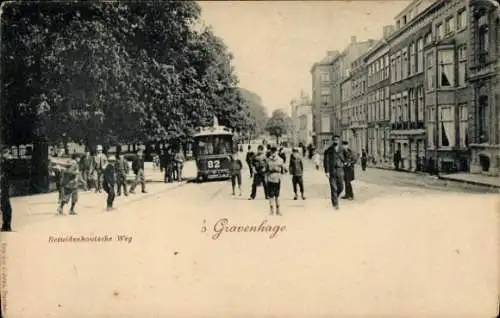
213	164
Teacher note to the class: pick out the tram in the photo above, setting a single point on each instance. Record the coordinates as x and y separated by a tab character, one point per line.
212	149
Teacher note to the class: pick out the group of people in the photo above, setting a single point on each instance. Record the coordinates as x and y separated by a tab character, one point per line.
266	169
172	164
99	172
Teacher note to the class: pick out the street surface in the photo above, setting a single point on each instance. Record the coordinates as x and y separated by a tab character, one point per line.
408	244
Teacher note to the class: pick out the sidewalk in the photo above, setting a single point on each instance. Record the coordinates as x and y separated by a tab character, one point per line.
42	207
476	179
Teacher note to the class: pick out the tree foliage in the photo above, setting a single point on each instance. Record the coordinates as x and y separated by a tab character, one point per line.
279	124
114	72
257	111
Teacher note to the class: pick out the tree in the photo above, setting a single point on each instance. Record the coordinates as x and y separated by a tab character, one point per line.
279	124
257	112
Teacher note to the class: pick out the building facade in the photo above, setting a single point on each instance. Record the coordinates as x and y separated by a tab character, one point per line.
302	120
447	93
377	110
484	114
322	99
345	108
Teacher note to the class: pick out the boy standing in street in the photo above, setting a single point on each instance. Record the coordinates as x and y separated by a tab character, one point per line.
109	181
296	168
121	175
70	180
236	167
275	168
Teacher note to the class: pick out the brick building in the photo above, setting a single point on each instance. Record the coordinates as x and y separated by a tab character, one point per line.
484	114
377	108
354	106
322	99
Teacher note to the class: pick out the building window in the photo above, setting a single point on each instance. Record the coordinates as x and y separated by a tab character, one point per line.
420	106
393	68
428	38
439	31
464	126
325	123
404	111
325	99
447	68
411	113
446	126
404	66
462	65
420	55
387	105
449	25
461	19
484	43
386	71
430	75
399	110
431	126
398	67
325	77
413	68
393	109
483	115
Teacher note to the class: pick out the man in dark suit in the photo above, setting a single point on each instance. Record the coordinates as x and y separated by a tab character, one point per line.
350	160
259	174
333	164
138	168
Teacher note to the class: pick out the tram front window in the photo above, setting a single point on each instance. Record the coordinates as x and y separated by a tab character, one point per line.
213	145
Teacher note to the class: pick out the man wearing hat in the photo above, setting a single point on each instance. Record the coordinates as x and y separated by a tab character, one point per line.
100	161
333	164
138	168
275	168
5	195
121	169
350	161
109	180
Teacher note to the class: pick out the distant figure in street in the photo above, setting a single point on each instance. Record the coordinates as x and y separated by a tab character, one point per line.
275	168
5	191
121	169
317	159
268	151
310	149
179	164
397	159
249	159
87	167
161	161
282	154
304	150
138	168
236	166
100	161
168	162
259	172
296	168
241	148
350	160
364	159
70	180
333	163
109	181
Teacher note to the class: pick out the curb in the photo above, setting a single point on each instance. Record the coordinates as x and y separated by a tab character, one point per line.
493	186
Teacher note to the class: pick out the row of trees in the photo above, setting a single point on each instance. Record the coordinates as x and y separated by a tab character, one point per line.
114	73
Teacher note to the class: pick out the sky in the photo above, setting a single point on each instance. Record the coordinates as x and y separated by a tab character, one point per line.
275	43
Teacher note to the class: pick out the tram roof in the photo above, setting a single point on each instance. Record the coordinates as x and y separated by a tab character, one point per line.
213	131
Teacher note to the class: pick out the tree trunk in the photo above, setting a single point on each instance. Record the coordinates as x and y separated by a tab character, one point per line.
40	167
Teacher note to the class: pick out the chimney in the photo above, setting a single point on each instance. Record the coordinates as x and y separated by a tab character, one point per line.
332	53
387	30
353	39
